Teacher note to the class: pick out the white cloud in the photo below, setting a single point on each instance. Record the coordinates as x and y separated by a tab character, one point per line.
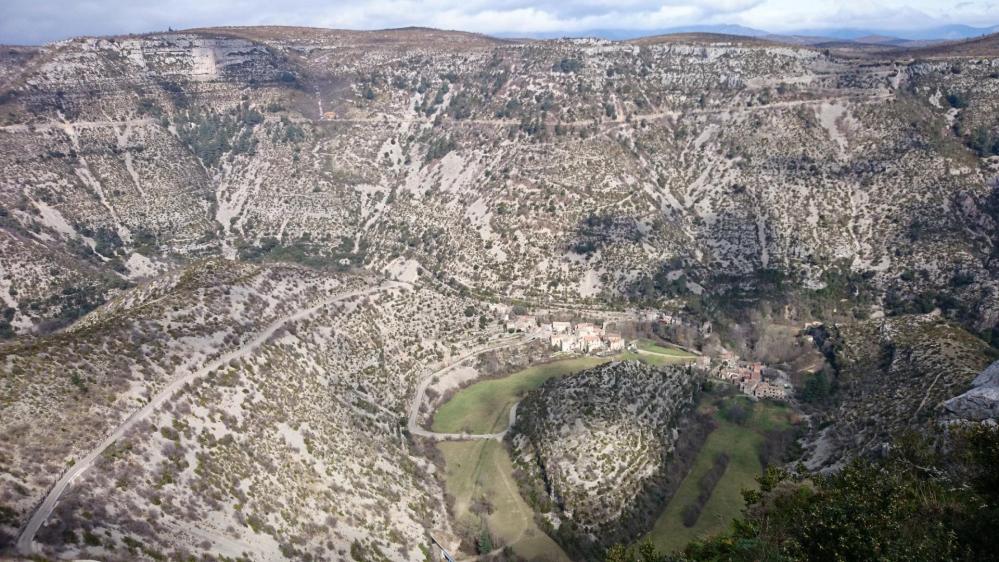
32	21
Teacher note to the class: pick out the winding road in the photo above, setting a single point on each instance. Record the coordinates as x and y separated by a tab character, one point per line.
26	539
413	424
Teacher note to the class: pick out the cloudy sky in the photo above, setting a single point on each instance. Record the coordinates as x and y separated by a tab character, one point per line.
37	21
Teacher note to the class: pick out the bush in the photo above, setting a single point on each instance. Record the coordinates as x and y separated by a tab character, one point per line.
91	539
439	148
568	65
485	543
736	413
957	100
983	142
818	389
691	513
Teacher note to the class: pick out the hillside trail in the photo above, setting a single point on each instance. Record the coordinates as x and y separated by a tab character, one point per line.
26	539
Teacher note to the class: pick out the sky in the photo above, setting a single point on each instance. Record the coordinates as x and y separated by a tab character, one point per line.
40	21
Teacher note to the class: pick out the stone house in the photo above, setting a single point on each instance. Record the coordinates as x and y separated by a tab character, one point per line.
590	343
561	327
767	390
521	323
614	342
564	342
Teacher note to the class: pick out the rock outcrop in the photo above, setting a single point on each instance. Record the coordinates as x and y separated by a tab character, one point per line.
892	375
981	402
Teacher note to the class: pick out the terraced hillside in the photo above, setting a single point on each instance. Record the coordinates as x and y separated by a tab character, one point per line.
594	446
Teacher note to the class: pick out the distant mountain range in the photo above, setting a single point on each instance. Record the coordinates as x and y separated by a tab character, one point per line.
804	36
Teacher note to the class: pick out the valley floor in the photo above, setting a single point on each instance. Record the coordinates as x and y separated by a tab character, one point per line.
742	443
479	472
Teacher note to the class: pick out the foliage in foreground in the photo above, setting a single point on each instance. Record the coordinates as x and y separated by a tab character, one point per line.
922	502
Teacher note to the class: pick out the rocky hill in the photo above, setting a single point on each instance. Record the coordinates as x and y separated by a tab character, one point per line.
231	408
892	375
600	440
579	169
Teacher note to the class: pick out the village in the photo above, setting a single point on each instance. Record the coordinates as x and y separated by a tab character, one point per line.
752	378
582	337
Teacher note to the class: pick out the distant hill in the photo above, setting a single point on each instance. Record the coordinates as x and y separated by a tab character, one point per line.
627	34
702	37
898	38
979	46
940	33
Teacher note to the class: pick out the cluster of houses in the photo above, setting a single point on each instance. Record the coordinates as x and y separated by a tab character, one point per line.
586	337
749	377
582	337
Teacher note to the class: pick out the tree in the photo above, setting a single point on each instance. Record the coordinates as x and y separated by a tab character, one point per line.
817	388
644	552
935	497
485	542
568	65
957	100
983	143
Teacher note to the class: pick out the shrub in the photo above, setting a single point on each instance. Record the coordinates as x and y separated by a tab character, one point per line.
568	65
957	101
817	389
485	542
439	148
736	413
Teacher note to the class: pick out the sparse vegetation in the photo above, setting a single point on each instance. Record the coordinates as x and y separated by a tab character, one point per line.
183	213
922	502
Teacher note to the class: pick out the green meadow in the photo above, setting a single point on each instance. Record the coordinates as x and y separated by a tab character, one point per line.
741	442
484	407
481	471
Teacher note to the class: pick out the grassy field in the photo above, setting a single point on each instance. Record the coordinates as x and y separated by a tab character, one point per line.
657	359
482	469
653	347
484	407
741	443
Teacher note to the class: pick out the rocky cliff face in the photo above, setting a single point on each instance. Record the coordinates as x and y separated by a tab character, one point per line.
578	169
601	439
892	375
